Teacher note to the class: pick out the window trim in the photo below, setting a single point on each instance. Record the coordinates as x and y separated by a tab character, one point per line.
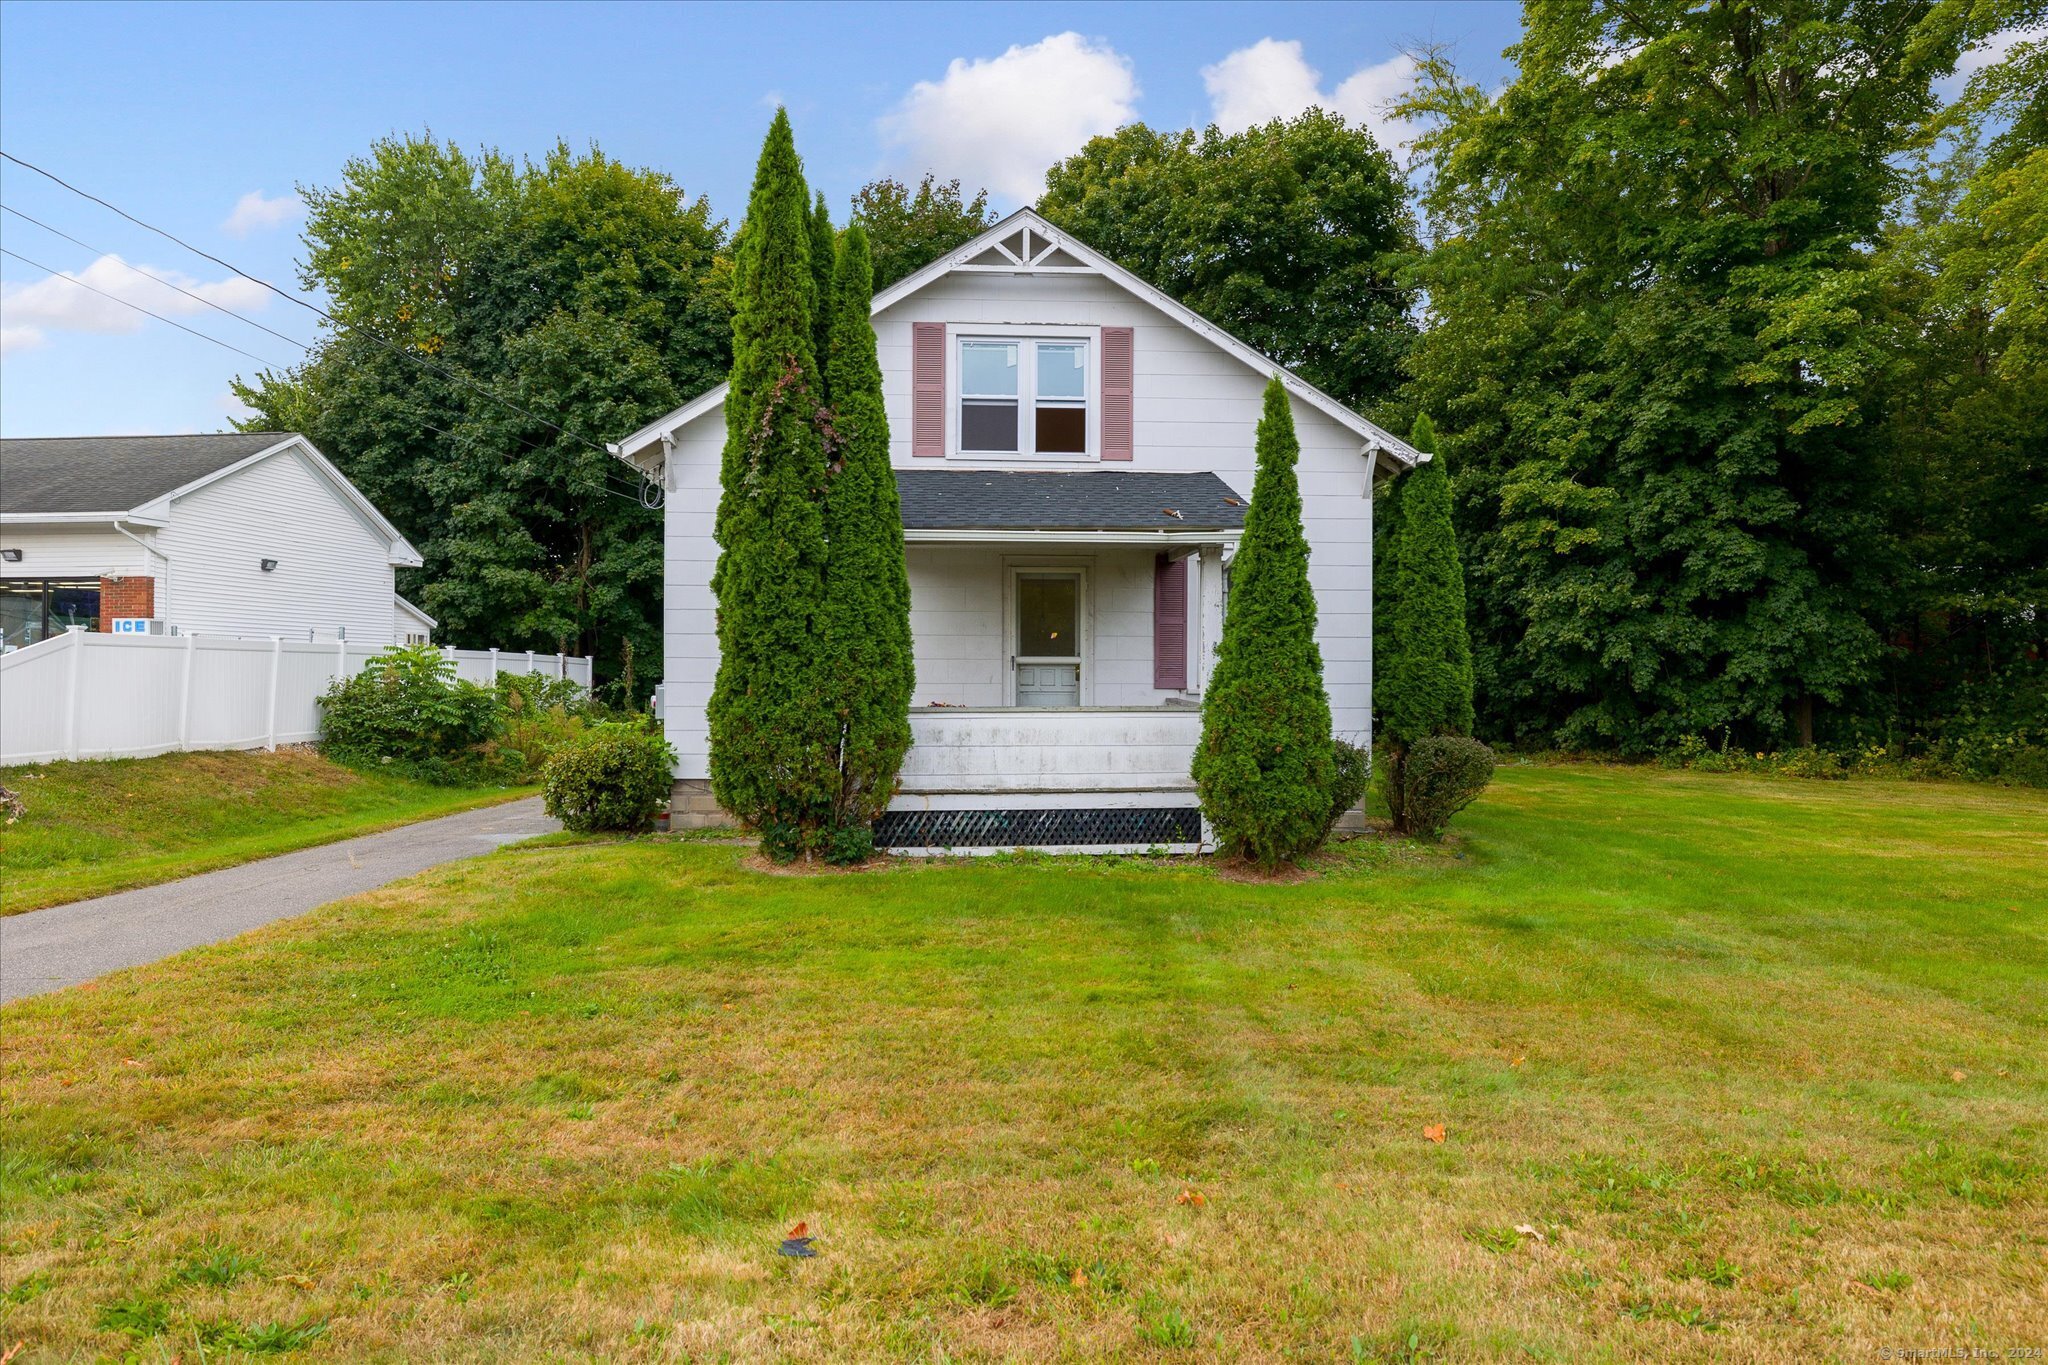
1027	339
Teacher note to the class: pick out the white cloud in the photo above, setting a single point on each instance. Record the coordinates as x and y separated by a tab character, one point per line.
254	213
1001	122
1271	79
52	304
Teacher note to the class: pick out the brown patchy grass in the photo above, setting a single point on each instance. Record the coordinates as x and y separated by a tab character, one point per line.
1759	1061
97	827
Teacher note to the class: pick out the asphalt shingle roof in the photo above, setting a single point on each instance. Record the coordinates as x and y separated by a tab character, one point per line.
1090	500
114	473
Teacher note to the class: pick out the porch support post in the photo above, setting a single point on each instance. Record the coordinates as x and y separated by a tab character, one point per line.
1211	633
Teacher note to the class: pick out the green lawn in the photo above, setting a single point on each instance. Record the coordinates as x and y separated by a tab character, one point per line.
1725	1068
92	828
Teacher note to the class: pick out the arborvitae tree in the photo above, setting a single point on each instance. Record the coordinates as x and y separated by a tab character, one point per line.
773	746
1266	764
865	662
823	253
1425	685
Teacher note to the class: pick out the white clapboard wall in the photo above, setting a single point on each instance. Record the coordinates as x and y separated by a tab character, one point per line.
84	695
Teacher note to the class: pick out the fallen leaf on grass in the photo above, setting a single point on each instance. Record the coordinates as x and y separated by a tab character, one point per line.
1434	1132
1188	1196
130	1061
16	1349
1528	1231
1080	1280
1959	1075
798	1231
1518	1061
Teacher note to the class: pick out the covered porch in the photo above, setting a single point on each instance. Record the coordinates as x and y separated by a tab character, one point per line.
1063	627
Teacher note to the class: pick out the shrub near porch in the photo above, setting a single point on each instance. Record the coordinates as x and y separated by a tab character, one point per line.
1760	1061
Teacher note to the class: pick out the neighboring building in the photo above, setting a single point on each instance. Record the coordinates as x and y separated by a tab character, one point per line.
243	533
1075	451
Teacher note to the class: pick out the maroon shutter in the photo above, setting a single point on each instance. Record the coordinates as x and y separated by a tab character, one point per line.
1117	434
1170	623
928	389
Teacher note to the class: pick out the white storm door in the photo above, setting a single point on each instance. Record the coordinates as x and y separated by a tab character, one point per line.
1046	655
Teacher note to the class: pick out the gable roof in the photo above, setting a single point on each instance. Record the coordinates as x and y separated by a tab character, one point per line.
1082	500
74	474
1382	443
135	478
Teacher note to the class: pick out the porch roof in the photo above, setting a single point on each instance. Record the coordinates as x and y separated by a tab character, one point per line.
1053	500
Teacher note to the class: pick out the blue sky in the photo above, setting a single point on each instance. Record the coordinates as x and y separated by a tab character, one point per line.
202	119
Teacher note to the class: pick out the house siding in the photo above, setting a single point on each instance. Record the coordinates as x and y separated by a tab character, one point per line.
75	552
1195	408
333	568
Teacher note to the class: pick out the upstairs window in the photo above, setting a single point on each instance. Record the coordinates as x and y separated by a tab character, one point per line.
1024	397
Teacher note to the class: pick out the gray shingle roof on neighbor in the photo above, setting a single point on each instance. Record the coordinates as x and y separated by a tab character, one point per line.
114	473
1091	500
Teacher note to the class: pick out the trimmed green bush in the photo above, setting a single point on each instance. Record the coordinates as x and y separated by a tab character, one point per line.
774	746
1425	680
616	777
1265	767
865	667
1441	776
1353	778
407	708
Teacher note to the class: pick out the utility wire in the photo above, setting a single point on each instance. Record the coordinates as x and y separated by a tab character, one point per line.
617	490
394	348
198	298
73	279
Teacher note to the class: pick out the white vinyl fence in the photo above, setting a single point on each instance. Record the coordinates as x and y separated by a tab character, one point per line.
84	695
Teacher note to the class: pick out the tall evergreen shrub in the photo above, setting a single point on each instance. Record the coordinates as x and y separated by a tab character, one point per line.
773	745
1265	768
865	661
823	254
1425	682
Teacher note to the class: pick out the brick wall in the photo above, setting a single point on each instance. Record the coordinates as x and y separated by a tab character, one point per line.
134	595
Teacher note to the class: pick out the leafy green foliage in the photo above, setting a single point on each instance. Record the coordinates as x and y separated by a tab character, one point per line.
1439	775
1351	777
1651	356
865	663
408	708
773	745
588	293
615	777
907	232
1287	235
1264	766
1424	686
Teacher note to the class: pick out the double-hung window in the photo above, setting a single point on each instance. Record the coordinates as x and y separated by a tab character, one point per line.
1024	397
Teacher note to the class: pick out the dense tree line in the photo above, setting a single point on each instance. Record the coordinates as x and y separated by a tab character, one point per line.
1738	455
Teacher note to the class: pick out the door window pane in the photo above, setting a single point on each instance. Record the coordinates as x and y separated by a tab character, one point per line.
989	369
1048	616
1062	371
988	426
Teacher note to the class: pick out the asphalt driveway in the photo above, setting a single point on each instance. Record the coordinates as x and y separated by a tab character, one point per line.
47	950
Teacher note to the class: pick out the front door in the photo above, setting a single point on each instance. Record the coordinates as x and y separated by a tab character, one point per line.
1048	652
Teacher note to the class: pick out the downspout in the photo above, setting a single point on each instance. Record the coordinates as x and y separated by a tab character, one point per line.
163	606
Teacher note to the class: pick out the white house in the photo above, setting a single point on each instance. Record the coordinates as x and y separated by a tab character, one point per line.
239	533
1075	451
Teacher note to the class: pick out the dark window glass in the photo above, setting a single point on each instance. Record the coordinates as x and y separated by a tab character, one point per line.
1048	617
988	426
33	609
21	612
74	604
1062	431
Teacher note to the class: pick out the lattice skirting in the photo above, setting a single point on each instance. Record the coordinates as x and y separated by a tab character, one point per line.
1143	826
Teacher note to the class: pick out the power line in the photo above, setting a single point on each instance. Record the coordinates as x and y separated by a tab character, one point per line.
198	298
73	279
395	349
618	490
